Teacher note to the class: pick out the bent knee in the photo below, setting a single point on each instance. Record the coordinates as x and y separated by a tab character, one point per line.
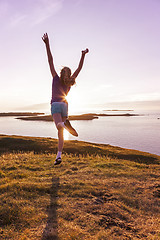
60	125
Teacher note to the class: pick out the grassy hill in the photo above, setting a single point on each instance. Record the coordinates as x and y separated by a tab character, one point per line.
98	192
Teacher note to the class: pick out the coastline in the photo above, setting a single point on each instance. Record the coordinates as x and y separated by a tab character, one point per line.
13	143
117	131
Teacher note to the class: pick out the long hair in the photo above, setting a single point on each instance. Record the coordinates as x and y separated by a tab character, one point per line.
65	77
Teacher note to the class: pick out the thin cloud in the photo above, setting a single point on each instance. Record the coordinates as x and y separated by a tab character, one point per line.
32	13
146	96
102	88
18	19
47	9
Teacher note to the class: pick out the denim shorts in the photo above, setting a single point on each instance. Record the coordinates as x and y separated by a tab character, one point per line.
60	107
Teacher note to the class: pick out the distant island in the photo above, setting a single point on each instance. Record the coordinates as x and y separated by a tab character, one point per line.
89	116
114	110
15	114
36	116
48	118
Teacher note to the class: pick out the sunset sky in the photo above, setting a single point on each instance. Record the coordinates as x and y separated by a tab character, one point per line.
123	37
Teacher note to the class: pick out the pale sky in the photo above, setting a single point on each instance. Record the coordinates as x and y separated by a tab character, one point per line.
123	37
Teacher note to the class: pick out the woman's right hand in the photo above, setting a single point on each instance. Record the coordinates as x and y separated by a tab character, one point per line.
45	38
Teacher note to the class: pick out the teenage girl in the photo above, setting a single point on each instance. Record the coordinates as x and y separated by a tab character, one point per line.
60	88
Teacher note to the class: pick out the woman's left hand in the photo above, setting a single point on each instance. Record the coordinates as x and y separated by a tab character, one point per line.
85	51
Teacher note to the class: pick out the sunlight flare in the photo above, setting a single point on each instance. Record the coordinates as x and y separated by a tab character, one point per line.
66	134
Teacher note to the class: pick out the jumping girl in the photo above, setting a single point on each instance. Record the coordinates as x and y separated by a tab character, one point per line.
60	88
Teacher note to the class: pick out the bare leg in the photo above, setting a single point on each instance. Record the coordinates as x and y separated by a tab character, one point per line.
57	119
60	137
60	140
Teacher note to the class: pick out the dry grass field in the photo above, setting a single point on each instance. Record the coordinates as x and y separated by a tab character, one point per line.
98	192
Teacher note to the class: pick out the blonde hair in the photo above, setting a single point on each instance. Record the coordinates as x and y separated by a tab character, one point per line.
65	77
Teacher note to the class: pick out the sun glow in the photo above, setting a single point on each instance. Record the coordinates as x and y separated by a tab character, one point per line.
75	102
65	134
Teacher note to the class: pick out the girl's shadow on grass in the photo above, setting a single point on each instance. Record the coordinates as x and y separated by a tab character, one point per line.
50	232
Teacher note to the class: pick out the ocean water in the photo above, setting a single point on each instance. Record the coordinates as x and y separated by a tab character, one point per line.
134	132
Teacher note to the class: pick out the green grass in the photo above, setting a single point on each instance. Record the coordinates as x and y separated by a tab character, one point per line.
98	192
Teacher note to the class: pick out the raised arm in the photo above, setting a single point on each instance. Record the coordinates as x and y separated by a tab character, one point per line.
49	54
75	74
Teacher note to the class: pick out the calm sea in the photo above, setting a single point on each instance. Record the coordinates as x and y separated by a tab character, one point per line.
136	132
